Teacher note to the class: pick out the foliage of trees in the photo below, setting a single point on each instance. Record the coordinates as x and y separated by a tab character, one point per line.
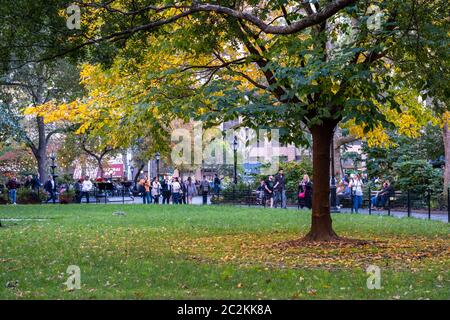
16	159
408	162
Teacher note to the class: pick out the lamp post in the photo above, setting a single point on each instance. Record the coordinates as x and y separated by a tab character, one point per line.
54	175
235	146
53	166
157	157
132	172
333	208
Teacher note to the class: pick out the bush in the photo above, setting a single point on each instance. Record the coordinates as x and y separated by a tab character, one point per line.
419	176
28	196
67	196
232	193
4	196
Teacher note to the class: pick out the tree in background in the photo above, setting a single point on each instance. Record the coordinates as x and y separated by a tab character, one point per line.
30	86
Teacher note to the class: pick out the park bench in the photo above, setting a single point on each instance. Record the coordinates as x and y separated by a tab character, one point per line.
392	199
347	201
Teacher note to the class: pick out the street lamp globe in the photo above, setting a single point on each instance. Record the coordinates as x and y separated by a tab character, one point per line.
235	144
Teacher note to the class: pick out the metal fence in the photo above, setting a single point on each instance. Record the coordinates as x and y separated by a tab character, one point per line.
406	202
400	202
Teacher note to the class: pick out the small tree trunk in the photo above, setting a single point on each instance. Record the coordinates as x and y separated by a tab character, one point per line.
100	167
41	154
137	175
125	163
446	136
321	224
337	162
42	167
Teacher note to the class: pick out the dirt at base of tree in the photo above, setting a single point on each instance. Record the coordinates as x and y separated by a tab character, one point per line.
341	242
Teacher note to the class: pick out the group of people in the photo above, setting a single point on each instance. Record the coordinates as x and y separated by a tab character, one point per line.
272	191
382	196
82	189
350	188
353	187
175	189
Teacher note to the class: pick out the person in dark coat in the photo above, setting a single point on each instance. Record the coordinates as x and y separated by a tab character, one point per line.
268	186
78	189
166	192
36	183
382	197
183	192
280	189
204	190
305	193
50	188
217	184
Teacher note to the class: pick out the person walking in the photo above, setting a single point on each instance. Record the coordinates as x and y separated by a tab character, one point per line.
190	190
217	184
28	182
204	188
176	191
280	189
156	190
146	190
269	191
50	188
305	193
86	187
78	187
260	193
165	188
356	186
183	192
36	183
12	186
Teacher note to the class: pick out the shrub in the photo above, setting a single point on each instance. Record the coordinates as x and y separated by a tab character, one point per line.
419	176
4	196
67	196
28	196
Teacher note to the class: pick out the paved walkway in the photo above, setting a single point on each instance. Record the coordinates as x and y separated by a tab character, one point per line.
401	214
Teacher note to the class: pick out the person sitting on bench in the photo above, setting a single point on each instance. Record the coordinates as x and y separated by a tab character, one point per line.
382	197
342	192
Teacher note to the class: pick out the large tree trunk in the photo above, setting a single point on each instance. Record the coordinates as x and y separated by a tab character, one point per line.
321	224
446	136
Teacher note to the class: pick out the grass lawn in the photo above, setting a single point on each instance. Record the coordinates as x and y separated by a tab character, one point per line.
195	252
